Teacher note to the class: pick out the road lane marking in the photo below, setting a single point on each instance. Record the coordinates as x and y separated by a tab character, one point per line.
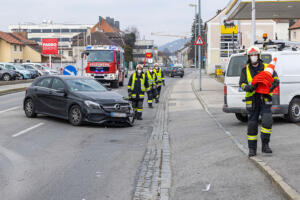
10	109
27	130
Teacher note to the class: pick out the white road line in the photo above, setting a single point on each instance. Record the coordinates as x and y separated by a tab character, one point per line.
10	109
27	130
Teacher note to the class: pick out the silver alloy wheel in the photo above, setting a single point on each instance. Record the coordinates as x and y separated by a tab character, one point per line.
296	111
76	115
29	107
21	77
6	77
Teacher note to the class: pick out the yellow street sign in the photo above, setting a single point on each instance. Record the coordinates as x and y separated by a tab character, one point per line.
229	30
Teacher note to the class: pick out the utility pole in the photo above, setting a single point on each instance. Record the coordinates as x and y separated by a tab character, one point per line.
195	47
253	23
199	46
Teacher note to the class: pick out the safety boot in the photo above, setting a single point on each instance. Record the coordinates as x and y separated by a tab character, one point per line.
252	152
266	148
156	100
150	105
139	116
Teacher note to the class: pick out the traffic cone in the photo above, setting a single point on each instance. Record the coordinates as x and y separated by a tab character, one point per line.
265	79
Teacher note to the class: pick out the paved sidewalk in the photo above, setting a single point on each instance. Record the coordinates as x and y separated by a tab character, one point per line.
205	163
285	140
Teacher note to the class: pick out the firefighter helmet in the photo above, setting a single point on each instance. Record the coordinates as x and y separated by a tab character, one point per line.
253	50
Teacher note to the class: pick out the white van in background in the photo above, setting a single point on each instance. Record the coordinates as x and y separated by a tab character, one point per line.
286	98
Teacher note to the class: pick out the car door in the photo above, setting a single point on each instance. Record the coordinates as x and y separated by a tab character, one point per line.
42	93
58	98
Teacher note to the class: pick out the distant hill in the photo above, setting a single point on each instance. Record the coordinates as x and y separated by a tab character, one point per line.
174	46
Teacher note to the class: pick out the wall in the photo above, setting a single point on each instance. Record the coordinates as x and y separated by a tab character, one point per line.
5	52
295	35
32	55
16	55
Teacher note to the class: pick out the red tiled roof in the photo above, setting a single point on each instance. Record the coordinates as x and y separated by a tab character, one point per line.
296	25
23	39
8	38
105	27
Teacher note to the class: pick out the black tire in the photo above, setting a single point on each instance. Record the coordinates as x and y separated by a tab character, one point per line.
181	76
29	108
114	84
294	111
21	77
241	117
121	83
131	121
6	77
75	115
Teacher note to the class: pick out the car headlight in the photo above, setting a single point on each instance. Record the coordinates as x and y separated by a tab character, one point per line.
92	104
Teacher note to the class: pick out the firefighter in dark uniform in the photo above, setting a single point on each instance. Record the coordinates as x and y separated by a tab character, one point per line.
160	80
137	86
152	80
257	104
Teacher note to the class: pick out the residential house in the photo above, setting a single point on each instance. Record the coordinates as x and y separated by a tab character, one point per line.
295	32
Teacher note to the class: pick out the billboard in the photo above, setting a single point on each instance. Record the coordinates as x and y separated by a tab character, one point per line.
50	46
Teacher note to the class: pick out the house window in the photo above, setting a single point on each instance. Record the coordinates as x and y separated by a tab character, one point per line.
15	47
70	53
21	48
61	52
295	35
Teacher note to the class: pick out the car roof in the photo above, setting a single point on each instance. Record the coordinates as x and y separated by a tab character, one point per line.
66	77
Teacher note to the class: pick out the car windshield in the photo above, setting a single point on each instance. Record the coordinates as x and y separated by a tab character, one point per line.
101	56
85	85
238	62
19	67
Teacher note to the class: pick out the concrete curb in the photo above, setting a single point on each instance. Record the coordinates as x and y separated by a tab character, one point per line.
2	83
15	90
289	192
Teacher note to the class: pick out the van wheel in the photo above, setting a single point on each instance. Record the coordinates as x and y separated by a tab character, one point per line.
294	111
241	117
114	84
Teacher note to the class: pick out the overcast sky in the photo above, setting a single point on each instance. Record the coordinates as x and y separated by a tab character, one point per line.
166	16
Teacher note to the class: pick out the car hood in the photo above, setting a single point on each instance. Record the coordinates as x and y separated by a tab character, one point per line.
23	71
102	97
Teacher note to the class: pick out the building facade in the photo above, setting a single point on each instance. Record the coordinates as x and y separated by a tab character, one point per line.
295	32
225	38
47	29
141	47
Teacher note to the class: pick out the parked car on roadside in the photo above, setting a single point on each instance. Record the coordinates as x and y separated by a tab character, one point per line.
286	97
77	99
23	73
6	74
33	70
33	73
43	70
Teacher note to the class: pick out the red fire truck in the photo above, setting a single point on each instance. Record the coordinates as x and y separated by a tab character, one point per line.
105	63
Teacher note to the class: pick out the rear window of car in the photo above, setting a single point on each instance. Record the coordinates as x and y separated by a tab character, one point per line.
237	63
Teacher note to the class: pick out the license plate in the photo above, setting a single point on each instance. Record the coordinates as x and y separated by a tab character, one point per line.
113	114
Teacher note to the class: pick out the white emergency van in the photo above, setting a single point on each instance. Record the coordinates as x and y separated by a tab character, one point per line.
286	98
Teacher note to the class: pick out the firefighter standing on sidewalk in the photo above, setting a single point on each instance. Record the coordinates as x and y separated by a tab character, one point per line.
152	80
160	80
137	86
257	104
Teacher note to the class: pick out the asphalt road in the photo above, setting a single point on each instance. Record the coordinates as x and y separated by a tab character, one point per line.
47	158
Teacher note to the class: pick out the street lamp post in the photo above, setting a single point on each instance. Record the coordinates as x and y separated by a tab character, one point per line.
199	48
253	22
195	34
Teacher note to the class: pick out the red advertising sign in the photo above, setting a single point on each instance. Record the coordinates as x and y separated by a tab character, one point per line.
50	46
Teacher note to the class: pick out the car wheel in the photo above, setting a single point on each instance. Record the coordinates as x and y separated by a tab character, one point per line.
6	77
21	77
29	108
181	76
294	111
75	115
241	117
131	121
